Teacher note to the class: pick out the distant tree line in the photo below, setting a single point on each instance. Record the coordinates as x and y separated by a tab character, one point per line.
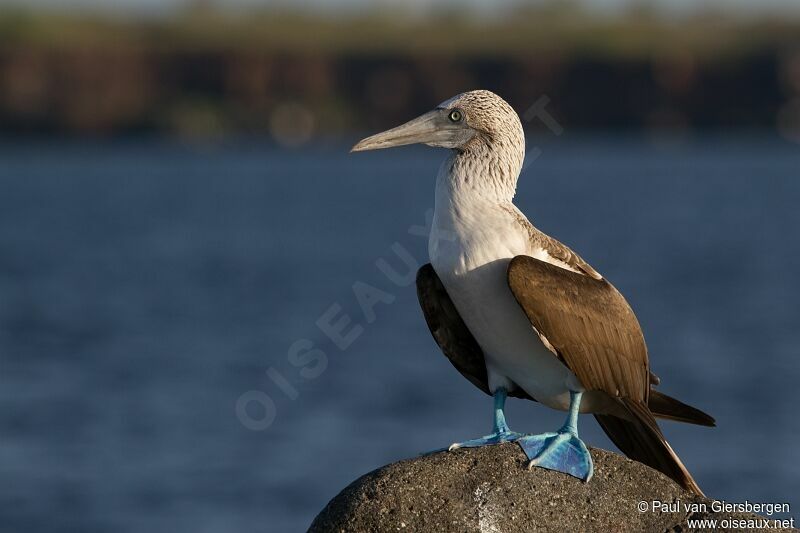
150	81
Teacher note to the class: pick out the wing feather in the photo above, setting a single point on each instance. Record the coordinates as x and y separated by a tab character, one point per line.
451	333
552	248
590	327
595	332
640	438
589	324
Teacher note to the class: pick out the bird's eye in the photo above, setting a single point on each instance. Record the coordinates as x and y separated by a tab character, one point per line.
455	115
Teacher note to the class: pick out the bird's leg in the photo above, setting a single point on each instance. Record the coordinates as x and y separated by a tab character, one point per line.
563	451
500	434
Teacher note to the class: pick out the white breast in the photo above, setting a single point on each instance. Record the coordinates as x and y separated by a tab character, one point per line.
470	250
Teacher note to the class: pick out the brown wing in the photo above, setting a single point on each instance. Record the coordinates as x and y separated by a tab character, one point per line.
551	246
594	331
663	406
640	438
588	322
450	332
463	351
565	254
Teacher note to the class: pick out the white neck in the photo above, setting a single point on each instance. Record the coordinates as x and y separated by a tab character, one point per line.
485	172
474	189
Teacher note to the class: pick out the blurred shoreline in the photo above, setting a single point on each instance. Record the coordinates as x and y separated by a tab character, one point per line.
206	73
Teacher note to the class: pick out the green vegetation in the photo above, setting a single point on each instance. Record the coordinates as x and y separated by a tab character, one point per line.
296	76
564	27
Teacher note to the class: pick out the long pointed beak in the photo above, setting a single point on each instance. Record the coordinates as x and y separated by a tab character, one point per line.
428	128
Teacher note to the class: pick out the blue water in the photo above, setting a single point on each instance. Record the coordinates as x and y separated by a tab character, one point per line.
145	287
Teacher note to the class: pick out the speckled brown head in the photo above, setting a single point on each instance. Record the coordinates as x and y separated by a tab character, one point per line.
470	120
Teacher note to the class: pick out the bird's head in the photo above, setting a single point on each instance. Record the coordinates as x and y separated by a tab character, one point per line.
471	119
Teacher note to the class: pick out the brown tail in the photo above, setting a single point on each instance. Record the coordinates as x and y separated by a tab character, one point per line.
663	406
642	440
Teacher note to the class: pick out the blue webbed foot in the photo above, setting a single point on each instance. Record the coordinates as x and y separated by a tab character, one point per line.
497	437
562	451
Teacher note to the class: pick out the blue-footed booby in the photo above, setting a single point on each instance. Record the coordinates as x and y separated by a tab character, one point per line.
519	313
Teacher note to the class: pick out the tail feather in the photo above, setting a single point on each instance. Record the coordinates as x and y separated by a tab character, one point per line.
667	407
640	439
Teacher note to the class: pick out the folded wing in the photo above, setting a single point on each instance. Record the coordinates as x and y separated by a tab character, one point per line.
593	330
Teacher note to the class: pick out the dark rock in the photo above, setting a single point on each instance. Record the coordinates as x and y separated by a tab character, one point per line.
490	490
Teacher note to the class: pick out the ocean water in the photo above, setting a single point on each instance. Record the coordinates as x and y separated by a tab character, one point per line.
148	289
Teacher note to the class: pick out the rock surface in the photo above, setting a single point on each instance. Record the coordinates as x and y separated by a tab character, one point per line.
490	490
